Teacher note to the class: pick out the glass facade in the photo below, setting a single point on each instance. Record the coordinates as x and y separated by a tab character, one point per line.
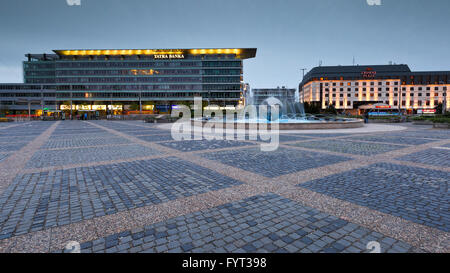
217	76
160	76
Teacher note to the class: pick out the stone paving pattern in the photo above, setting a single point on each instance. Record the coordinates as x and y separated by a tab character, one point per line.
45	158
69	196
412	193
264	224
119	186
436	157
349	147
271	164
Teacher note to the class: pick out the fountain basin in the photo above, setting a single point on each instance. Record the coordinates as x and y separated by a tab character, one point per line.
283	124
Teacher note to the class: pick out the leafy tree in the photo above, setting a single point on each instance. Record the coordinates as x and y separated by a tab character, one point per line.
312	108
439	108
331	109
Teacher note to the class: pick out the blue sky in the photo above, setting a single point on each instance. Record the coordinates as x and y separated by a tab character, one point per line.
289	34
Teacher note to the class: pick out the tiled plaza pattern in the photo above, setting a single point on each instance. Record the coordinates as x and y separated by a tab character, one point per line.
197	145
75	143
412	193
349	147
271	164
69	196
264	223
44	158
119	186
434	156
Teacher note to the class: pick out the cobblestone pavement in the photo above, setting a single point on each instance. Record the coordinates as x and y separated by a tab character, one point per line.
350	147
116	186
433	156
263	223
271	164
412	193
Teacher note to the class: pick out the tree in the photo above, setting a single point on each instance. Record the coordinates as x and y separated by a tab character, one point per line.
439	108
312	107
331	109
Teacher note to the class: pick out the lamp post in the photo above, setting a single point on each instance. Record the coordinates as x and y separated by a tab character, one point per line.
71	114
303	76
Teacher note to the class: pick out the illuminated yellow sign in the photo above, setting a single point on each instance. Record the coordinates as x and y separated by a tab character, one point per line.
168	56
99	107
158	53
144	71
83	107
88	107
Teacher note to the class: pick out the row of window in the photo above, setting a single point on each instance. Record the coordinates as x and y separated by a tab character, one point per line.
361	84
394	103
136	95
405	79
130	79
387	90
363	89
385	94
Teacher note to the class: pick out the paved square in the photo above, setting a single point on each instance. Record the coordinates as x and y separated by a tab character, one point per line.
43	158
271	164
80	142
3	156
349	147
263	223
197	145
394	140
68	196
412	193
128	186
435	156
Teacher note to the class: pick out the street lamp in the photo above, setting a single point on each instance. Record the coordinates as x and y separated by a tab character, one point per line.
303	76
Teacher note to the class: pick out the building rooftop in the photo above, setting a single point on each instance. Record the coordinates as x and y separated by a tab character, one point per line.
243	53
369	72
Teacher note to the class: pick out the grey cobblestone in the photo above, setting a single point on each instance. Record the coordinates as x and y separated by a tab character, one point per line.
42	200
278	241
271	164
349	147
415	194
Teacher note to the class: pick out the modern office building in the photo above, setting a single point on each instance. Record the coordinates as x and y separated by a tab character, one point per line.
349	87
281	93
131	79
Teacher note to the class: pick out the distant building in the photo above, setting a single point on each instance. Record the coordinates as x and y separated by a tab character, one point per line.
283	94
108	79
351	87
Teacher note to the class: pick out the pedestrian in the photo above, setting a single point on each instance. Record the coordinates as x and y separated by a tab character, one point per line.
85	116
366	117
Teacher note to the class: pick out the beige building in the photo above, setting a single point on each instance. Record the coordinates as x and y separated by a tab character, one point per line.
349	87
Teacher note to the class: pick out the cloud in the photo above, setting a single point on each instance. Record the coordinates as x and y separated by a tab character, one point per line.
11	74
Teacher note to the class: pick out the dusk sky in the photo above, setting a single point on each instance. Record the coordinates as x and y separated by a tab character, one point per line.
289	34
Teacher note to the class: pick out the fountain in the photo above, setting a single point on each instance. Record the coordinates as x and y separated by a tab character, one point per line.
291	116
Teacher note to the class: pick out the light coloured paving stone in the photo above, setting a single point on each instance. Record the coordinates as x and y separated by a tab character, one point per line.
36	242
14	124
255	184
77	232
427	238
16	162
